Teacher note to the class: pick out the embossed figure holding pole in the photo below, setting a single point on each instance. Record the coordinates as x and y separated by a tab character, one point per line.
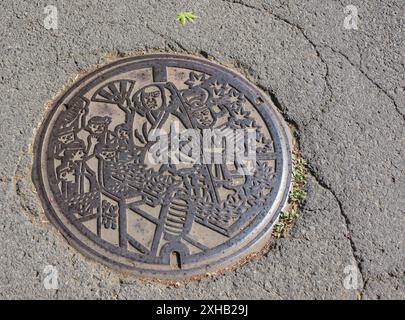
190	204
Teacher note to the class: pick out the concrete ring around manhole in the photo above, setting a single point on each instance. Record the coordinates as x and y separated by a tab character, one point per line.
163	165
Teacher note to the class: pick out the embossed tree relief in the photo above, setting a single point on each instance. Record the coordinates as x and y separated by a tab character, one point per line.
170	218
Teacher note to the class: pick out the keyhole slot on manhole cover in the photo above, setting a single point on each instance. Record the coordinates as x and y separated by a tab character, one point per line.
175	260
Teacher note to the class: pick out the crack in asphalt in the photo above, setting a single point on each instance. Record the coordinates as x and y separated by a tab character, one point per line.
318	53
242	4
347	224
360	69
319	180
328	86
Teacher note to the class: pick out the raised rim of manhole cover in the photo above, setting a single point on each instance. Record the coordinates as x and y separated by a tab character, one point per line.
164	165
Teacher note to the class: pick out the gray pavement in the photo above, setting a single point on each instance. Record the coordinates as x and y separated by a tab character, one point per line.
343	90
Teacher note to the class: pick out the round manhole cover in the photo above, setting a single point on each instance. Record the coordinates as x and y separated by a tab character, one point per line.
164	165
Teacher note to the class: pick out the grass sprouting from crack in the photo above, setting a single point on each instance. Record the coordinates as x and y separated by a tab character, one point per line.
296	198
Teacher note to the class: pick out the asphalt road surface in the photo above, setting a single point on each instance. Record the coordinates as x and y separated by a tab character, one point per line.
341	88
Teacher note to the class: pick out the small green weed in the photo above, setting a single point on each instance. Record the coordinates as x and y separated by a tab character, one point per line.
186	16
296	198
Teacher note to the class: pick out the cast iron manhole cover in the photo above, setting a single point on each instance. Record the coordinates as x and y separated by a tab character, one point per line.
163	165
